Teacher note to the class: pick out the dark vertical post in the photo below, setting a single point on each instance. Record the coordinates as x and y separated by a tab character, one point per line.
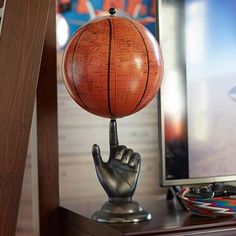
21	46
47	137
1	3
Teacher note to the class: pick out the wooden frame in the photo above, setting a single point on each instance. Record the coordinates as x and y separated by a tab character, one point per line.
21	46
47	135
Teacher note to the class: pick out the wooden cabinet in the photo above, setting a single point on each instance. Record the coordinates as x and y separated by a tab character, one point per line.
168	218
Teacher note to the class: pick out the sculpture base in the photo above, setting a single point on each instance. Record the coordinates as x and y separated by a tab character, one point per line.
121	212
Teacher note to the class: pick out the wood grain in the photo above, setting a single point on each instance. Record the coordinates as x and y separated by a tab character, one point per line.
47	133
21	47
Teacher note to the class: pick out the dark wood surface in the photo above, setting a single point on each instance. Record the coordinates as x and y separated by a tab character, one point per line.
47	136
167	218
21	46
1	3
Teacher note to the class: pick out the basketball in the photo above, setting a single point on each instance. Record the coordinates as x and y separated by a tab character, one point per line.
113	66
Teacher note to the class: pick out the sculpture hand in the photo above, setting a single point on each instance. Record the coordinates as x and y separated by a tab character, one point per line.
118	176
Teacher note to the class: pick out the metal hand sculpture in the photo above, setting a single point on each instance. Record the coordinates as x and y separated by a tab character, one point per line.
118	176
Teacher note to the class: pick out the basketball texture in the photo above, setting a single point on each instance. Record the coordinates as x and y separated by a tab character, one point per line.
113	66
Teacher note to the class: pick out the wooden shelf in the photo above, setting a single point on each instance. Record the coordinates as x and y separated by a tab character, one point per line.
168	218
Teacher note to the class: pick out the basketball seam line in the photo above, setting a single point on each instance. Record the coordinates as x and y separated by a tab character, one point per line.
145	89
72	62
109	68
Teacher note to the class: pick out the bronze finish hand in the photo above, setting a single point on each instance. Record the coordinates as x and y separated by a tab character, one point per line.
119	175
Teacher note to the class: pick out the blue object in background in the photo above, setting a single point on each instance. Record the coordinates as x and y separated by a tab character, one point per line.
144	10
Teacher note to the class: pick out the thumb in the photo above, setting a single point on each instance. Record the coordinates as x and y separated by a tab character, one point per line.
97	155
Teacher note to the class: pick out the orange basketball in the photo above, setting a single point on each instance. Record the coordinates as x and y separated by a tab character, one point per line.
113	66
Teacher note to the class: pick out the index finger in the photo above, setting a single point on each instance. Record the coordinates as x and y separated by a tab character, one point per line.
113	136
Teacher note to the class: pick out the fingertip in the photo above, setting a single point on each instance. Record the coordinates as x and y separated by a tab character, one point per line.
96	155
126	156
96	149
137	161
118	152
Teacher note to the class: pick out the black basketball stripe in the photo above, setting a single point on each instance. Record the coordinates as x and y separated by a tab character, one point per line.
148	66
109	69
72	63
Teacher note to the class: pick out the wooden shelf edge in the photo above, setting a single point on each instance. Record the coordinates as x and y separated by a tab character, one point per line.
171	221
73	224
